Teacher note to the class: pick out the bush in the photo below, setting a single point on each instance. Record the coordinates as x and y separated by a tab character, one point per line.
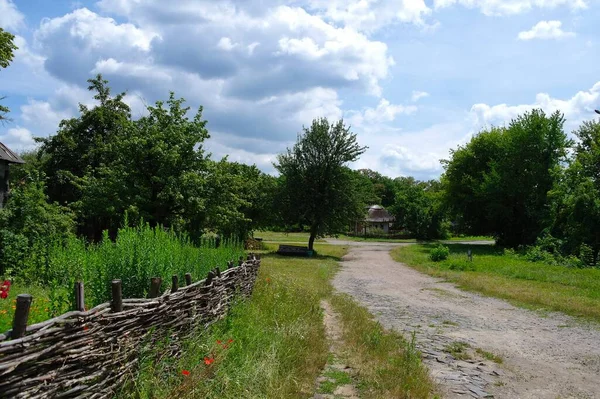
439	253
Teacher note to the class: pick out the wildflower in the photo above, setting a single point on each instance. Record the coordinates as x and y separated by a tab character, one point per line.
219	342
229	341
209	360
4	295
185	372
268	280
2	311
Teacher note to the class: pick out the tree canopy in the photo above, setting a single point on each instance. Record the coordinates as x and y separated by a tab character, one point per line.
317	187
7	49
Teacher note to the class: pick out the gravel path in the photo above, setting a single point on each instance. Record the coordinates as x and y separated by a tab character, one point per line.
544	356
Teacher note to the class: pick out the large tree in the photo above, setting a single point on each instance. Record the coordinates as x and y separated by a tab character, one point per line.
317	187
7	49
498	183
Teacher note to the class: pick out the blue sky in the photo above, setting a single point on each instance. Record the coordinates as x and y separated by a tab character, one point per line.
414	78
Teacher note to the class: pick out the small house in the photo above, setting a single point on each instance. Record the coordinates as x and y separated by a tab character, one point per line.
6	158
377	219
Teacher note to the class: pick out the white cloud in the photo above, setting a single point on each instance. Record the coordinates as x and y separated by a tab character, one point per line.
10	17
546	30
18	139
226	44
511	7
371	15
576	109
417	95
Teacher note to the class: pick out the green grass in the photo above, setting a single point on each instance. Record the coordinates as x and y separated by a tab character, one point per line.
137	255
458	350
280	346
283	237
470	238
531	284
371	239
279	343
489	356
386	364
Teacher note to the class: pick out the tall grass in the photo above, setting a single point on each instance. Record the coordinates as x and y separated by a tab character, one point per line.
137	255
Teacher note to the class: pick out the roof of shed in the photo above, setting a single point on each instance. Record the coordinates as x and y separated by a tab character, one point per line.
7	155
378	214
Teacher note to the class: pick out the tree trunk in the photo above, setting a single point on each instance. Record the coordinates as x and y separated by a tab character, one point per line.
311	240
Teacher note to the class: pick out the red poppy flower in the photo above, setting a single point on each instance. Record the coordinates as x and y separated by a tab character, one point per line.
219	342
185	372
230	341
3	294
209	360
6	283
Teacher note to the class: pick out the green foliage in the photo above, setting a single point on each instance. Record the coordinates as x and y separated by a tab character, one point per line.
419	209
7	49
575	198
316	188
29	224
439	253
498	183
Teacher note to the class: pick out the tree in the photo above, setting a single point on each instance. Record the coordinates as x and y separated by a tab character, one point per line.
7	49
317	188
576	198
498	183
418	208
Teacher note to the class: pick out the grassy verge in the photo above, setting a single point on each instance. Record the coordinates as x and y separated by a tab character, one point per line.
371	239
279	346
532	284
274	236
470	238
388	366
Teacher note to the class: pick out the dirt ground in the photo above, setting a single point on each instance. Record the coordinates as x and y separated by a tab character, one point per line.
544	355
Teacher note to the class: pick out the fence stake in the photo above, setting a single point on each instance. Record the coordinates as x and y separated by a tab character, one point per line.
175	283
21	316
79	298
188	279
155	284
218	272
230	264
209	278
241	261
116	304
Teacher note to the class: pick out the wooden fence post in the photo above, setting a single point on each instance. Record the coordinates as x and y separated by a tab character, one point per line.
209	278
230	264
217	272
79	297
116	304
155	284
174	283
188	279
21	316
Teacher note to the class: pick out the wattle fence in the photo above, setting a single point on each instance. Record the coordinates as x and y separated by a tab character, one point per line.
91	354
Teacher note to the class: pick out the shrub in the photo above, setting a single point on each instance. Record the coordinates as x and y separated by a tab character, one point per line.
537	254
439	253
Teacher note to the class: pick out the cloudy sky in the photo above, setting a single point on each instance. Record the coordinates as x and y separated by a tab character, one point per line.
414	78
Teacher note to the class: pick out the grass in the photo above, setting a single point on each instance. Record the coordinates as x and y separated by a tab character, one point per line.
530	284
283	237
458	350
489	356
280	347
386	364
372	239
470	238
137	255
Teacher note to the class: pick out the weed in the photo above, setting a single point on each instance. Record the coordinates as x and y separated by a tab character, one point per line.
458	350
489	356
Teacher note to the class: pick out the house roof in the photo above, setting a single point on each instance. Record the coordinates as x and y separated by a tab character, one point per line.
378	214
7	155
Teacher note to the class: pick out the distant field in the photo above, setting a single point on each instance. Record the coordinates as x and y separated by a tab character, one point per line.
532	284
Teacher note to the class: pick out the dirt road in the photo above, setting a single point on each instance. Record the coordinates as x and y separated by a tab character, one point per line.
543	355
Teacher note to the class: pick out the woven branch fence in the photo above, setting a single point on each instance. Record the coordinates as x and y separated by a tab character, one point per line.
92	354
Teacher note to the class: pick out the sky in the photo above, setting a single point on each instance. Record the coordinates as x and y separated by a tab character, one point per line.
413	79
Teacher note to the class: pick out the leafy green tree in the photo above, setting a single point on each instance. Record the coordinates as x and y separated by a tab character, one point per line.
7	49
498	183
418	208
29	224
576	198
384	187
317	188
